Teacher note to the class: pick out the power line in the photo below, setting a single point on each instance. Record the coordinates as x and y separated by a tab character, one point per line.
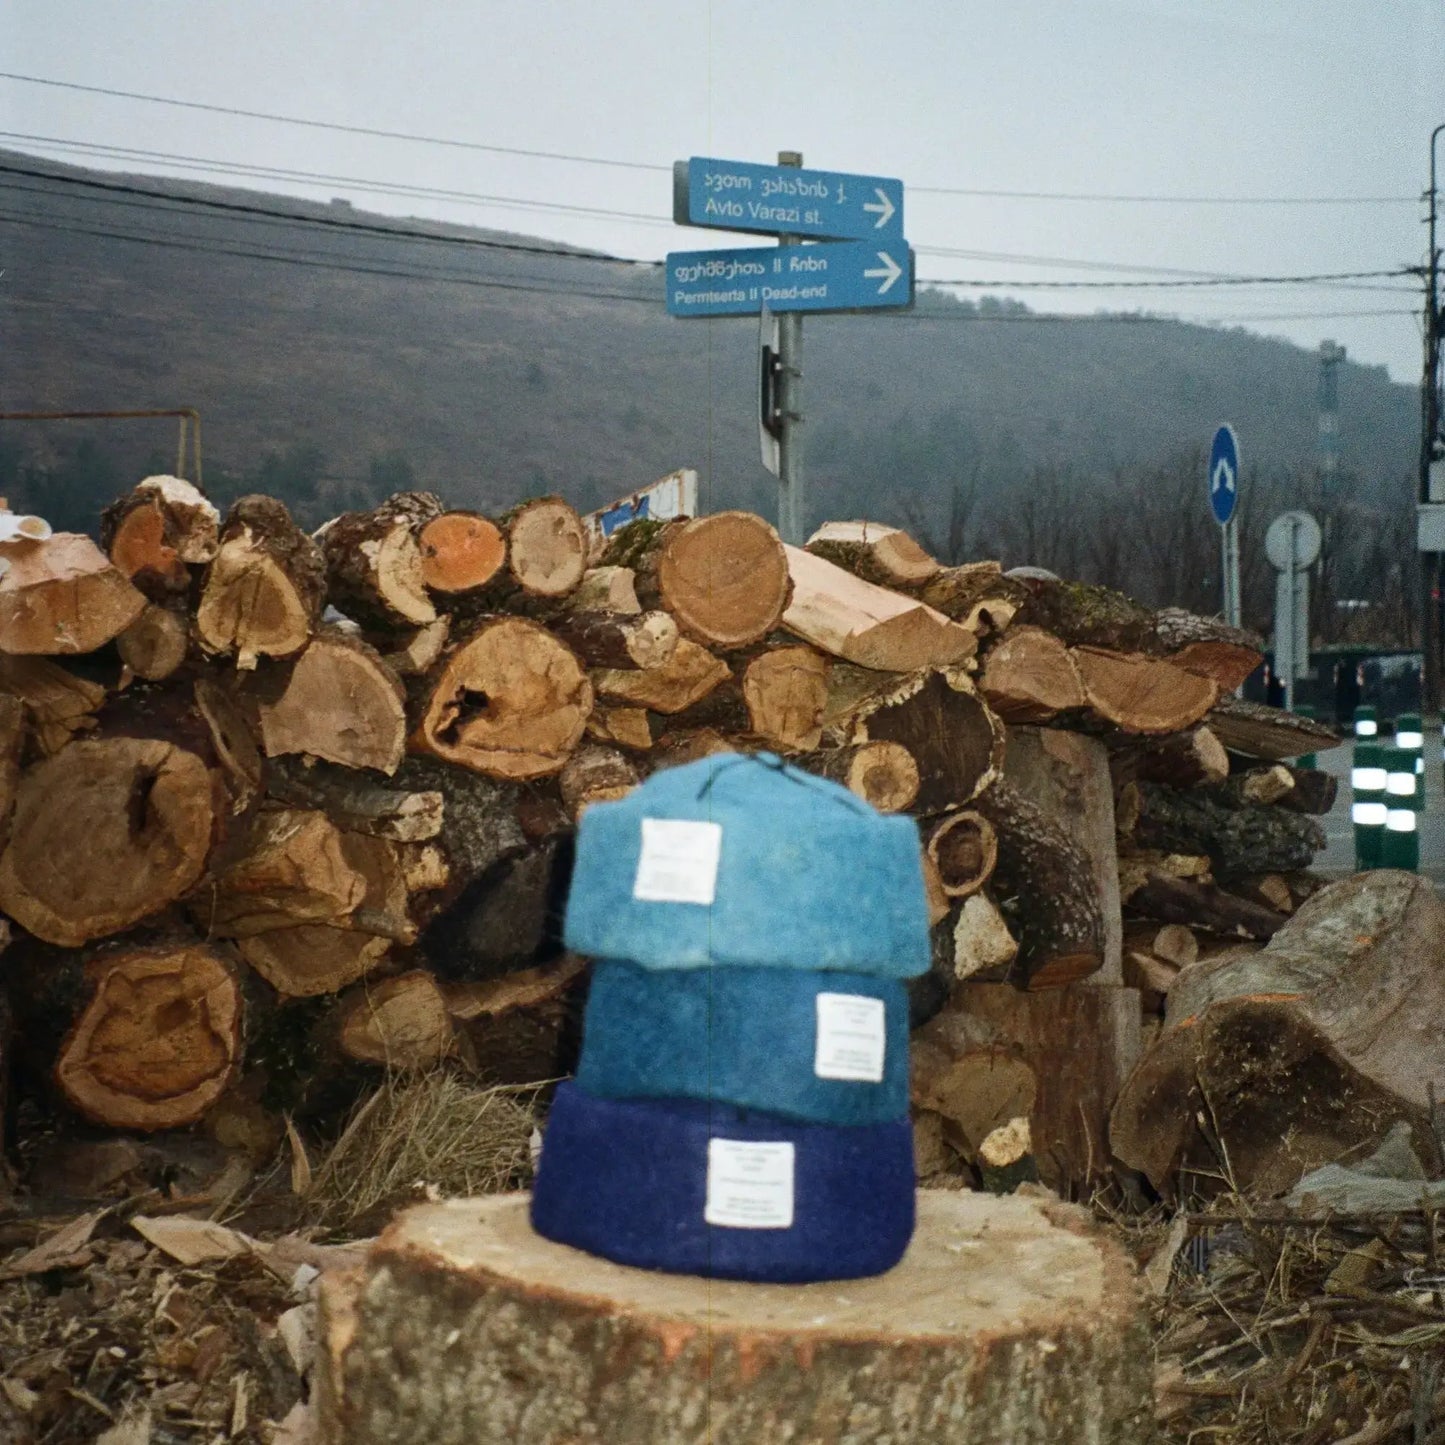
322	178
372	131
447	277
452	142
1173	277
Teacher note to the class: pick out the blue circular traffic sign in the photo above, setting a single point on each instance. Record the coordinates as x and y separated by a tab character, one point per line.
1224	475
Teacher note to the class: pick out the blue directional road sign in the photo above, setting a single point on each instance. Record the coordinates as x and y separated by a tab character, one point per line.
848	276
786	200
1224	475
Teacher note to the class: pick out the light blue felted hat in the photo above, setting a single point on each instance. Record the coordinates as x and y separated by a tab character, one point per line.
830	1048
744	860
730	1194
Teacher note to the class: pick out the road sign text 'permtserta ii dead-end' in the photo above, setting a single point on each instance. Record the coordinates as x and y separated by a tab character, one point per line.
786	200
845	276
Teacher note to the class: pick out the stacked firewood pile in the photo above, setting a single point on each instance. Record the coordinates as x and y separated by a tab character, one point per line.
280	809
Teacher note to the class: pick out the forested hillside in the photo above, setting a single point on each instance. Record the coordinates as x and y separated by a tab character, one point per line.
333	360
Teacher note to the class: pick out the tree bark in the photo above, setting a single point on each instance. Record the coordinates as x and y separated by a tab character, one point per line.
952	735
1178	760
510	700
374	571
157	532
883	555
264	591
104	834
1267	732
615	640
1247	838
1208	646
943	1348
62	596
1202	905
1046	886
1326	1038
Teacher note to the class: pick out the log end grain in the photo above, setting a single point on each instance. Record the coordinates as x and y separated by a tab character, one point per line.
460	551
62	595
1008	1320
547	547
725	578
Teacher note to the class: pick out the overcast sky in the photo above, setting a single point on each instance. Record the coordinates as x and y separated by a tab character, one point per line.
1158	98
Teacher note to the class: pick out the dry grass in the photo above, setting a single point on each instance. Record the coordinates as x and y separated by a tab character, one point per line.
1275	1327
424	1134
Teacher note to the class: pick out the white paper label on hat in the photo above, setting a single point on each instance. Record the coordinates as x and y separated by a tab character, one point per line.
749	1186
678	861
850	1038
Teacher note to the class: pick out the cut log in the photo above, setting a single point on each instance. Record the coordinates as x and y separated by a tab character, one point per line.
546	547
104	834
296	869
982	943
460	552
952	735
1046	886
1080	1044
374	571
940	905
959	1070
567	1347
358	804
1137	866
964	847
1175	944
785	691
511	700
881	773
1029	676
401	1023
609	639
61	596
1237	840
525	988
1179	760
339	701
1201	905
58	703
724	577
1310	790
1142	694
1067	775
875	552
12	744
682	681
158	531
1267	732
264	591
1325	1038
411	654
231	740
1207	646
976	595
1262	785
868	625
595	774
160	1039
155	645
687	745
1270	889
607	589
628	727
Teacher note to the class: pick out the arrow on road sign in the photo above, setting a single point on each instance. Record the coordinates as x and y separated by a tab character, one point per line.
1223	472
882	206
890	270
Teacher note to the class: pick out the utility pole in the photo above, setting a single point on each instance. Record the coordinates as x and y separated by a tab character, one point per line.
1432	451
1329	464
792	521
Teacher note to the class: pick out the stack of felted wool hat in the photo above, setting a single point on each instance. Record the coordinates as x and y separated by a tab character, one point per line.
741	1105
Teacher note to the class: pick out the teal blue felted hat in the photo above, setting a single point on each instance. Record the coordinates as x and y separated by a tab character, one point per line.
830	1048
745	860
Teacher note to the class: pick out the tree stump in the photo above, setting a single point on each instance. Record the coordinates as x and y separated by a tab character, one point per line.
1008	1320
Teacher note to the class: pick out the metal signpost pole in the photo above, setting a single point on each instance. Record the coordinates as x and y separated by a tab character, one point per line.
791	520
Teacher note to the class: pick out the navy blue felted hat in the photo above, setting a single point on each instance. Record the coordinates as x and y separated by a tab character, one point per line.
829	1048
744	860
704	1189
